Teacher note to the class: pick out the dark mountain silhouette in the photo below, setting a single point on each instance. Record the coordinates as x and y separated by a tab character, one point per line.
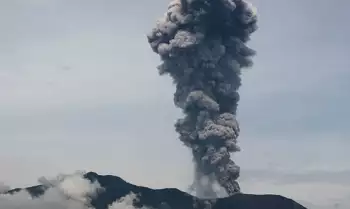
170	198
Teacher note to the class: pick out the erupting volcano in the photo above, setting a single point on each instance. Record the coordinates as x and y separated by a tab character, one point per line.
202	45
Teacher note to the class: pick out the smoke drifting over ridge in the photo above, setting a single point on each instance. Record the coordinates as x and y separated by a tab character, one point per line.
63	192
3	188
202	47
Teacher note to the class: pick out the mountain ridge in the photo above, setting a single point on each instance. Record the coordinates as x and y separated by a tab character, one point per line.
115	188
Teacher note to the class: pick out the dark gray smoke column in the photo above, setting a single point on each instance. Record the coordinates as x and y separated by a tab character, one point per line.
202	47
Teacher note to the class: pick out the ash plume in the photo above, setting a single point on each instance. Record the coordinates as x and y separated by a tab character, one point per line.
202	45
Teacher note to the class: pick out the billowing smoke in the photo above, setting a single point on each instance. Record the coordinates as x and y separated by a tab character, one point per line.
202	45
3	188
71	191
127	202
64	192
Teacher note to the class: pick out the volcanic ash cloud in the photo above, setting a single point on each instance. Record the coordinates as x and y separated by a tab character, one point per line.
202	45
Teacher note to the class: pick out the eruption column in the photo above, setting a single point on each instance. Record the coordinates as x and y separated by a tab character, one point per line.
202	47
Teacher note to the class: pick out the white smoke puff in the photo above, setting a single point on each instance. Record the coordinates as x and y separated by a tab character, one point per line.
65	192
3	188
78	188
52	199
200	183
204	181
54	181
126	202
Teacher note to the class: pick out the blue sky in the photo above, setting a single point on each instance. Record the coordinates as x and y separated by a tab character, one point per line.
79	90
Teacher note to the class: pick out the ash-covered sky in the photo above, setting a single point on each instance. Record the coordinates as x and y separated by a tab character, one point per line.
79	90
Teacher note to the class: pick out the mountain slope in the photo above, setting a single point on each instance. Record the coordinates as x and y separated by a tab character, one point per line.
115	188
